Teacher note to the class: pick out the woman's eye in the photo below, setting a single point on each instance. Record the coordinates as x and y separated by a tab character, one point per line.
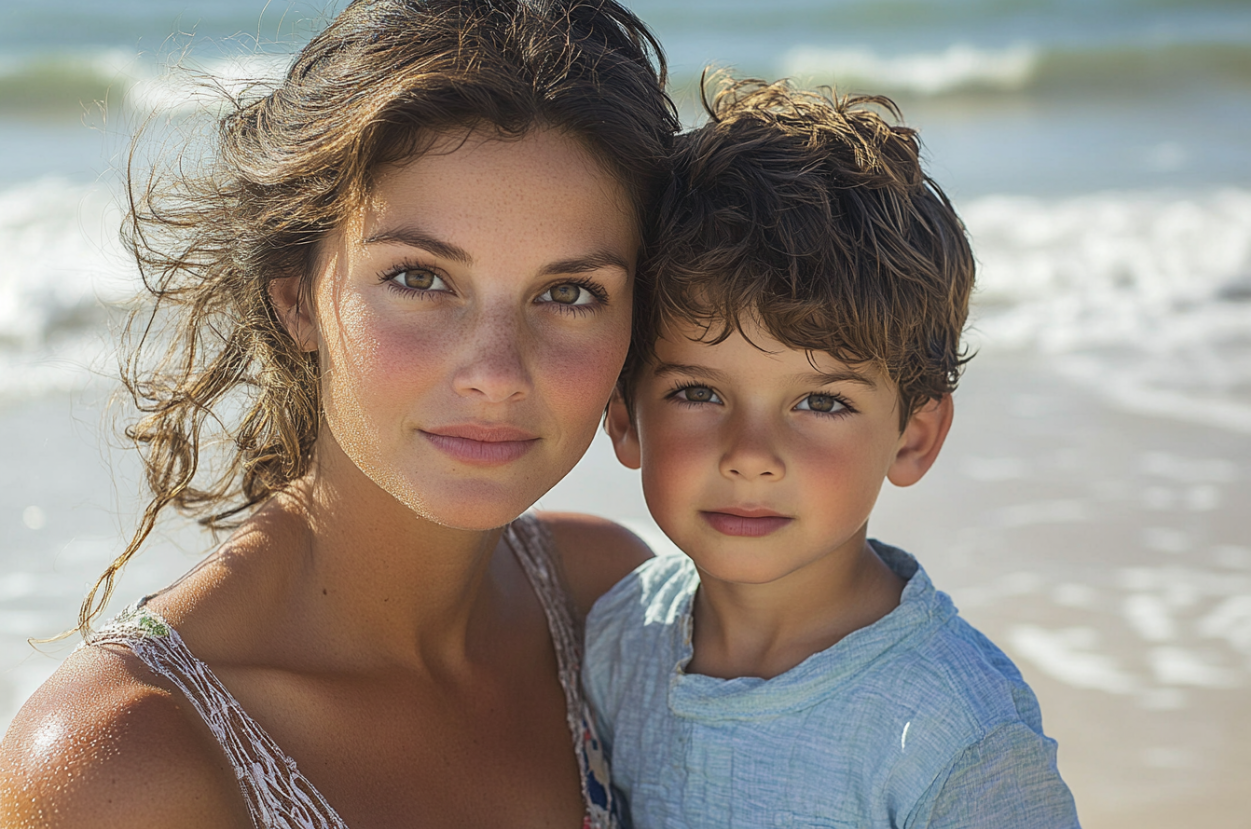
825	403
419	279
698	394
568	293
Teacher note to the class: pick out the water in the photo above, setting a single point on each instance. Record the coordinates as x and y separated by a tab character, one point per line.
1095	147
1097	150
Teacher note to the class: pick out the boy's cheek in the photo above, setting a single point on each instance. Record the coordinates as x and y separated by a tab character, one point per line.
674	442
675	465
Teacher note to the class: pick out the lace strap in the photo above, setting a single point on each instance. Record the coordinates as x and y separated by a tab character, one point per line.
532	544
277	795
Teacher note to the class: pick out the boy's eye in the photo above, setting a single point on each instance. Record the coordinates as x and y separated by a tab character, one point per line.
824	403
568	293
698	394
419	279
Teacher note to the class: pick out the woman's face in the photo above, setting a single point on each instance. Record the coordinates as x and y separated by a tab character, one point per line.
472	320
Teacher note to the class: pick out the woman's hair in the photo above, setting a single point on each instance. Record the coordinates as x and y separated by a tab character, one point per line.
374	88
812	215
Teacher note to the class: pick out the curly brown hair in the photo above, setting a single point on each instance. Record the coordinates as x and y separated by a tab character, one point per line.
811	214
208	360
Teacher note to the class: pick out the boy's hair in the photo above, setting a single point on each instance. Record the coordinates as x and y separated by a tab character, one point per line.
811	214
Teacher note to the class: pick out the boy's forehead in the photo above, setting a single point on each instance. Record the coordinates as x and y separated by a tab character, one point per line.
690	348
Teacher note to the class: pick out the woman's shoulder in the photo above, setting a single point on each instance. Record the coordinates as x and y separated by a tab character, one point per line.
105	743
594	553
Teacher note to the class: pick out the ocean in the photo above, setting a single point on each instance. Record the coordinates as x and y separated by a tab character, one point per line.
1096	148
1098	151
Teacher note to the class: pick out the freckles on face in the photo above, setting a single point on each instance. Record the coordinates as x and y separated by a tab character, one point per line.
730	429
486	286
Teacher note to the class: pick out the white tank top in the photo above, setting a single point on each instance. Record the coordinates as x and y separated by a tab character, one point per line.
277	795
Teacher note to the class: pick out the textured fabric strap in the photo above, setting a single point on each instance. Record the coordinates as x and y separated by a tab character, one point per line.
277	795
533	546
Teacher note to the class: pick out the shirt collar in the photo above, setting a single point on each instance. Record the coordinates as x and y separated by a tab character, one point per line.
921	610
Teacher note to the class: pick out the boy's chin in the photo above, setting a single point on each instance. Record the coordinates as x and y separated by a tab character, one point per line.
746	569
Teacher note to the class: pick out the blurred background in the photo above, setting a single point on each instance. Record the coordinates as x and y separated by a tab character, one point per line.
1090	509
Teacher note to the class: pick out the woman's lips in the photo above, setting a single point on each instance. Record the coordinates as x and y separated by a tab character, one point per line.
748	523
481	444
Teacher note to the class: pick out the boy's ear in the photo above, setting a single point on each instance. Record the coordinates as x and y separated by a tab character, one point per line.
294	309
620	427
921	441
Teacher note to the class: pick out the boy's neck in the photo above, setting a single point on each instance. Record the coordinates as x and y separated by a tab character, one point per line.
763	630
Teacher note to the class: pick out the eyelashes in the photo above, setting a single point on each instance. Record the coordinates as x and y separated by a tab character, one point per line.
574	305
413	280
826	404
577	295
694	394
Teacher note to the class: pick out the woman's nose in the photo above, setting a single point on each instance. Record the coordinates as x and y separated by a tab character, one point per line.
750	453
493	364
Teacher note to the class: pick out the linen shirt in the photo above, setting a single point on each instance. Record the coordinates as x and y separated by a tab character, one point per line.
917	720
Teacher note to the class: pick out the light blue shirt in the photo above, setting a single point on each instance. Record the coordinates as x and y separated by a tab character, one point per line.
916	720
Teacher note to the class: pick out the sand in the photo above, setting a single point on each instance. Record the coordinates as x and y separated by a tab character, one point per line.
1107	552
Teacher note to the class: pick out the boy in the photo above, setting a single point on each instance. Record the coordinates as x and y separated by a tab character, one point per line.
799	344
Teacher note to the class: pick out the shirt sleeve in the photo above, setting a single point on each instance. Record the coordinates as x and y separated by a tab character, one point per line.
597	666
1008	778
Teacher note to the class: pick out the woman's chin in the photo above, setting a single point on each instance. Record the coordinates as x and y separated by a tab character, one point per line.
477	507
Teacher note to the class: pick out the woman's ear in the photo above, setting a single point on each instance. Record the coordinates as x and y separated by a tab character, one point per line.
295	310
921	441
620	427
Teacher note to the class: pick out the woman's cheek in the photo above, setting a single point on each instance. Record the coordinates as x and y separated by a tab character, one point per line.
375	370
579	373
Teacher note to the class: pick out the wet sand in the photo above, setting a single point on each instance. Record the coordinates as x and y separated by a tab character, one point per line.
1110	555
1107	552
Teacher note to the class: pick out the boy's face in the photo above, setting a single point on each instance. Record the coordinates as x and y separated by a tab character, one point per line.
758	464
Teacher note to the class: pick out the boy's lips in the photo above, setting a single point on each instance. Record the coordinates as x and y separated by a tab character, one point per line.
481	444
750	523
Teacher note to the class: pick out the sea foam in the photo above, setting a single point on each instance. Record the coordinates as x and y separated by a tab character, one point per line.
61	269
959	66
1144	296
194	86
70	82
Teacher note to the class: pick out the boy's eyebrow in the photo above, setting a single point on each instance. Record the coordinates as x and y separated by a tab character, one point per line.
818	378
662	368
842	376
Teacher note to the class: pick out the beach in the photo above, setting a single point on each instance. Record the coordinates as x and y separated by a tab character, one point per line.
1105	551
1108	554
1089	511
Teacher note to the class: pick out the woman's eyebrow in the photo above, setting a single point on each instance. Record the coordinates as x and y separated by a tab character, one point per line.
417	238
585	264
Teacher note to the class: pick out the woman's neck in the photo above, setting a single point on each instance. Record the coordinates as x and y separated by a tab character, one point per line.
337	562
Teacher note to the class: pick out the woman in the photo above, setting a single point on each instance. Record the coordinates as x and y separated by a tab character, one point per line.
407	277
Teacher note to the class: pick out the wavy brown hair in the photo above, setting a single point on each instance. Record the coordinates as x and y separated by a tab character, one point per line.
811	214
208	360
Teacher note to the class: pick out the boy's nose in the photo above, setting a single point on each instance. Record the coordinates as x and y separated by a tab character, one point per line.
751	457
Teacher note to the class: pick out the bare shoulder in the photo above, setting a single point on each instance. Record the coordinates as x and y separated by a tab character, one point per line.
102	744
596	553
